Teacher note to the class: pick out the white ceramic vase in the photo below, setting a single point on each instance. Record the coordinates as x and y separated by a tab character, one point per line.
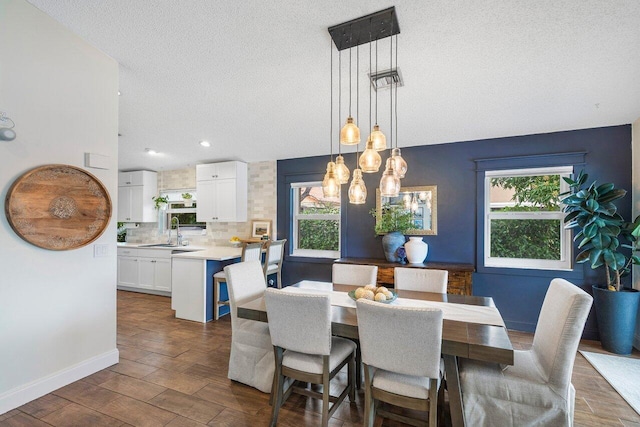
416	250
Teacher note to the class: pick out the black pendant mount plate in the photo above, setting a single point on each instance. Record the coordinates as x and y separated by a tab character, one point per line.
368	28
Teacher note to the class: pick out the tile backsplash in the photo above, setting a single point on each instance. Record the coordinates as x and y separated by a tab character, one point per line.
261	205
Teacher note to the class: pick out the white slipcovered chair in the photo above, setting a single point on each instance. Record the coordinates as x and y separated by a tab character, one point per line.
401	355
537	389
300	326
352	274
273	260
251	358
250	252
420	279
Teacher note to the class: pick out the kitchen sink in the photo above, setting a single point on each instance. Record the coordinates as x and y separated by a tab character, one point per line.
159	245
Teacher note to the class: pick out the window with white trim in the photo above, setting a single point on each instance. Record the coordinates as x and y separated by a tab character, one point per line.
185	211
316	221
524	220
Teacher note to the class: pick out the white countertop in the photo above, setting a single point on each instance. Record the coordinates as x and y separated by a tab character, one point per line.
189	248
215	253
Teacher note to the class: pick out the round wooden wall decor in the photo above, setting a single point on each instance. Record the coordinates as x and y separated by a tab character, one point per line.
58	207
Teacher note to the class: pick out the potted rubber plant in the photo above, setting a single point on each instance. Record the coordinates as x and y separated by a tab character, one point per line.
393	221
607	242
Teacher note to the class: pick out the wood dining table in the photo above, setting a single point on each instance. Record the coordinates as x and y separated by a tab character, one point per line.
460	338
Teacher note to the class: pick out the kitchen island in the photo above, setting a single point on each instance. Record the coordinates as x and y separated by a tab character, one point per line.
192	281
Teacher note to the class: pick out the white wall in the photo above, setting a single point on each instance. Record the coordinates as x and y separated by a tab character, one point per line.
57	309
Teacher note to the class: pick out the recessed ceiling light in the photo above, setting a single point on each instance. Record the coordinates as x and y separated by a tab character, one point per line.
151	151
119	93
205	143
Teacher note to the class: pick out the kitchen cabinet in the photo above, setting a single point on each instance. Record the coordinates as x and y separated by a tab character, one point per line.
135	192
146	270
127	269
222	192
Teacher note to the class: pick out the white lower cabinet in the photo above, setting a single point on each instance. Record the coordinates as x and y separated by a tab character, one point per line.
147	270
127	271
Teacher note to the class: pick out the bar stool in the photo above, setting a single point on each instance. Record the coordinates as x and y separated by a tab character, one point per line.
273	260
250	252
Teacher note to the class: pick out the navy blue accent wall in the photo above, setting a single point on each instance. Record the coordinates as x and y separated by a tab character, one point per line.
518	293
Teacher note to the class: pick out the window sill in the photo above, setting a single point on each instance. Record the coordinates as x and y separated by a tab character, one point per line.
532	272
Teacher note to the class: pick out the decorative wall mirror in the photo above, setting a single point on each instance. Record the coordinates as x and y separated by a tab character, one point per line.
421	201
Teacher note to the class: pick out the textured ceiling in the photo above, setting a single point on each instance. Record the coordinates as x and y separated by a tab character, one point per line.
252	77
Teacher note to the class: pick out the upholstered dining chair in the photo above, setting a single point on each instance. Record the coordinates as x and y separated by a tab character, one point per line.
250	252
352	274
401	355
421	279
300	327
537	389
251	358
273	260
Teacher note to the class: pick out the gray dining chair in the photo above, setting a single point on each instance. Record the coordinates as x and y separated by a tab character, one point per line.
304	350
273	260
250	252
537	389
421	279
401	355
251	358
352	274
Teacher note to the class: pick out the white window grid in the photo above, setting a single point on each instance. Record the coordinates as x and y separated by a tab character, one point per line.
297	217
565	261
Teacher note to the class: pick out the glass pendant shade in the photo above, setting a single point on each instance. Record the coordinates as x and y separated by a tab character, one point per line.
341	170
370	160
414	204
389	183
330	184
357	189
400	165
350	134
378	138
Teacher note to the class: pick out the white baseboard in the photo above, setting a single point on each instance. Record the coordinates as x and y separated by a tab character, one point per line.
26	393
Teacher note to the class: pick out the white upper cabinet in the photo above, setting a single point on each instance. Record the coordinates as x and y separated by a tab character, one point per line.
223	170
135	192
222	192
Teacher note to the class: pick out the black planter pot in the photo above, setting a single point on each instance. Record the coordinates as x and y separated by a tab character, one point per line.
616	313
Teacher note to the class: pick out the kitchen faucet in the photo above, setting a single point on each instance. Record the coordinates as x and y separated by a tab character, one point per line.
178	234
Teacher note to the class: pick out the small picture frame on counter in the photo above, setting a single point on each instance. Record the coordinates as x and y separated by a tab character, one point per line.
260	227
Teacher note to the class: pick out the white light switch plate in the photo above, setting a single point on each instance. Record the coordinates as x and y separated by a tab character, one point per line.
100	251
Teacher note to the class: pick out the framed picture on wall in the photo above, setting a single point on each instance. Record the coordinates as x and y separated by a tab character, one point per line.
260	227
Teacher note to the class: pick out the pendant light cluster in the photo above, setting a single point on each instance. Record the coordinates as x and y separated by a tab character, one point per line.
367	29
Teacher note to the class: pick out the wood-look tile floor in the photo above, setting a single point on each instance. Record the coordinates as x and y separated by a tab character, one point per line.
174	373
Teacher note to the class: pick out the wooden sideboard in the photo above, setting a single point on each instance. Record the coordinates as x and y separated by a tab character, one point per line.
460	275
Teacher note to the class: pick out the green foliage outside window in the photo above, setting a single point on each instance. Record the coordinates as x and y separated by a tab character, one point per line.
318	234
525	238
528	238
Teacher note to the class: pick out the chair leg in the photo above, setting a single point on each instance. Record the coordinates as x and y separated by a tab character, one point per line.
358	365
278	386
369	405
325	391
433	403
351	373
216	298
